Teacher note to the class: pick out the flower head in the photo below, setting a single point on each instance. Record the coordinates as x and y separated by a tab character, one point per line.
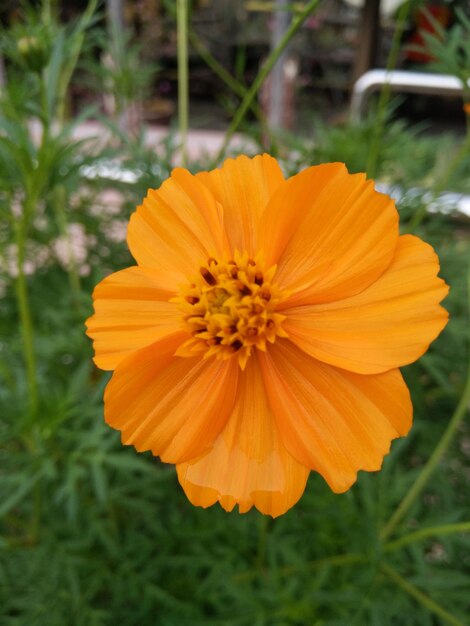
259	336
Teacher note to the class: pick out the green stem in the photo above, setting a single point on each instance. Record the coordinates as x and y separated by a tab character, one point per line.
338	560
418	595
430	466
263	73
74	49
183	98
58	200
65	78
377	132
424	533
219	70
235	85
44	110
441	182
262	539
434	459
47	11
24	310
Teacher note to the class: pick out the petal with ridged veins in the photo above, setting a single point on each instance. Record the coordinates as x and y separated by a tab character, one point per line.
333	421
248	463
389	324
178	226
330	232
174	406
243	187
131	311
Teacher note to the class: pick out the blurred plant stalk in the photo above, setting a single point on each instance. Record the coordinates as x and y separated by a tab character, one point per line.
450	54
24	309
419	596
2	72
384	98
125	75
272	59
183	78
48	54
235	85
439	451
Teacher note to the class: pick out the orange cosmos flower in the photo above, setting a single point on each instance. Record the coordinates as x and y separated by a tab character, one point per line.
466	108
260	334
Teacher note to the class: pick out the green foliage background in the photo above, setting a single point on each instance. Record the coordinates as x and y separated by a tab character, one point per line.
94	534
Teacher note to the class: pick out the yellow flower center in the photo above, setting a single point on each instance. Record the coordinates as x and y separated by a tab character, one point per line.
230	307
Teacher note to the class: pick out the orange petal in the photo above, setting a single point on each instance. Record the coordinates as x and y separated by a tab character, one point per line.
178	226
330	232
170	405
131	311
389	324
243	187
333	421
278	224
248	463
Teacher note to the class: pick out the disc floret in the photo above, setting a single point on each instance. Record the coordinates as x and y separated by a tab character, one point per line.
230	308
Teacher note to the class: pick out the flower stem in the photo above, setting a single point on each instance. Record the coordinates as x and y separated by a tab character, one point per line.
58	201
235	85
337	560
263	73
418	595
24	310
219	70
377	131
434	459
183	97
262	539
424	533
441	182
430	466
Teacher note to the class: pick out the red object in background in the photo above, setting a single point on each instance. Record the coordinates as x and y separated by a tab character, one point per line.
439	14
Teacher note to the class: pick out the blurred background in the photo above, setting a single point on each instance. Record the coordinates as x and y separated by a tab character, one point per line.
98	101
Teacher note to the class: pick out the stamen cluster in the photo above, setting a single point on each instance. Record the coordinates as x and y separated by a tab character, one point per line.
230	309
